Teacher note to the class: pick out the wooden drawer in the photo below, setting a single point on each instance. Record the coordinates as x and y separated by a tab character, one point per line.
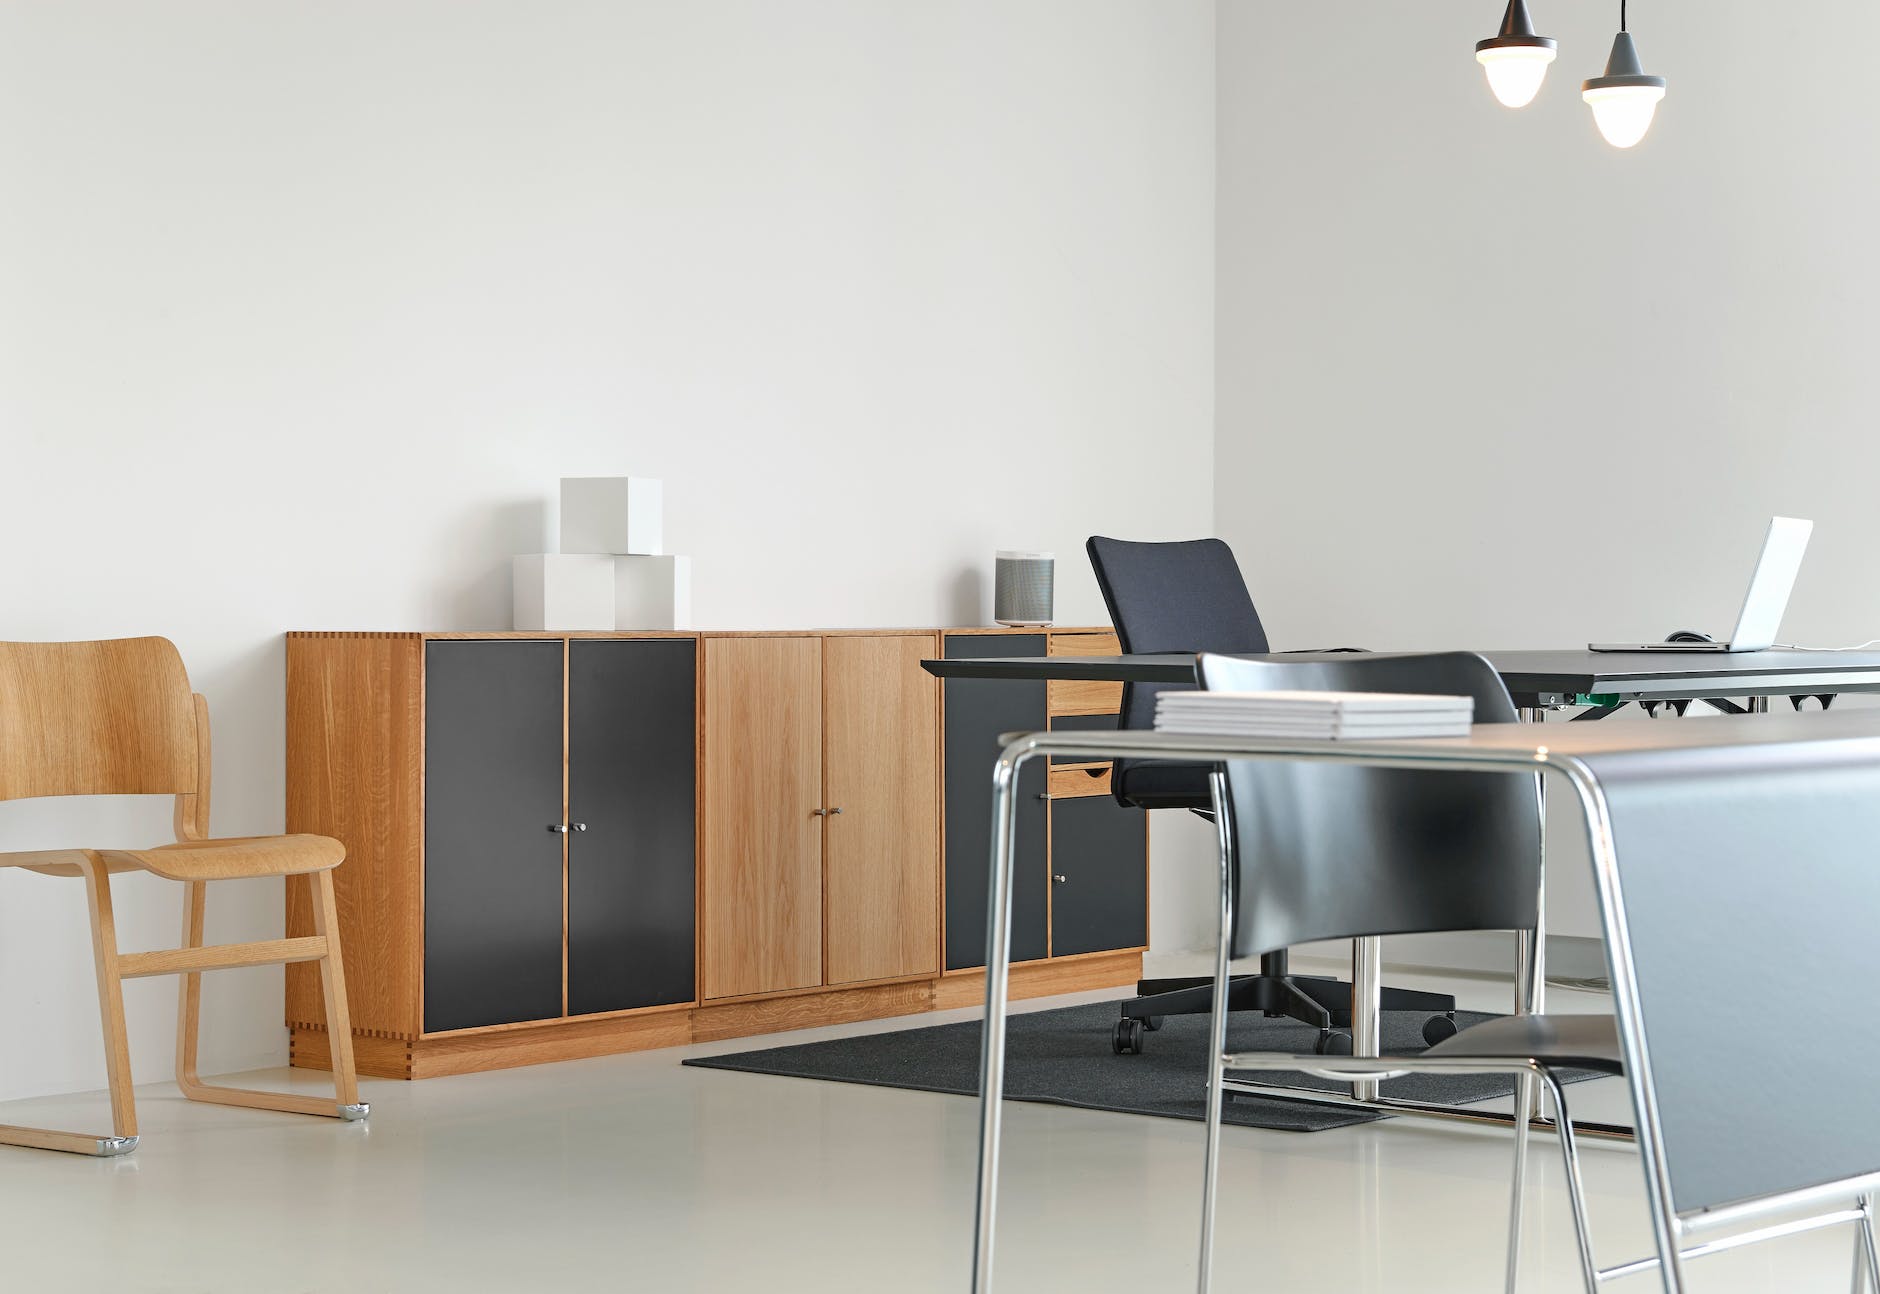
1085	698
1073	781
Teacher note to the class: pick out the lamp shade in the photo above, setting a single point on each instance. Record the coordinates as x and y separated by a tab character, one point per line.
1516	61
1624	100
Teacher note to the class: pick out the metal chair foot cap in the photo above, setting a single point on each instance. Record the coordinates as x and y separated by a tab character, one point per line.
110	1147
350	1113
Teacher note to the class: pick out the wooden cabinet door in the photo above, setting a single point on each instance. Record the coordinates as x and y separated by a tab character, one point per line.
762	919
882	877
632	738
492	854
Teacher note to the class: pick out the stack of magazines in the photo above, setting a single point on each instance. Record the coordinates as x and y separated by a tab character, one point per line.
1323	716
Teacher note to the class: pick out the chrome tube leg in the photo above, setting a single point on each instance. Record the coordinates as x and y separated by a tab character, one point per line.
992	1034
1517	1194
1576	1187
1867	1255
1367	991
1537	963
1217	1029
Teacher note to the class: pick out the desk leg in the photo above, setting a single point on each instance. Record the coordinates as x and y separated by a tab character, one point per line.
1530	967
1759	705
1367	988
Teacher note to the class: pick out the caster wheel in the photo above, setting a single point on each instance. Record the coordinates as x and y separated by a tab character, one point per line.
1438	1028
1126	1040
1333	1042
1152	1023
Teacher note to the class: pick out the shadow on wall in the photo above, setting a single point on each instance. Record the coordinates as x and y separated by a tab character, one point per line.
499	532
966	598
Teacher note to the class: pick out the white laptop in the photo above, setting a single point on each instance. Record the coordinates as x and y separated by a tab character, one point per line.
1763	605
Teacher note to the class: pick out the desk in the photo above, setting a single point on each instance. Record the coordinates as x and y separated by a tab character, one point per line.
1536	679
1568	752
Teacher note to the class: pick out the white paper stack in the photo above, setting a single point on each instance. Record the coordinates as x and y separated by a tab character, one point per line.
1323	716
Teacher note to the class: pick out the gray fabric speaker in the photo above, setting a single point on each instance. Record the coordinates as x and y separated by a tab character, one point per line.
1021	588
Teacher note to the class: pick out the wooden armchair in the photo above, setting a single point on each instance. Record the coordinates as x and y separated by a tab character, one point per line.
118	718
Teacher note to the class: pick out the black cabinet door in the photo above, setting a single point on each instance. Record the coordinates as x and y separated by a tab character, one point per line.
1100	849
492	864
632	735
977	711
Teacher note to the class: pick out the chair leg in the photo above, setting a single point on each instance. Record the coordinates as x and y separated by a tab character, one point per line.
1576	1188
333	985
189	1024
117	1054
1866	1251
1517	1195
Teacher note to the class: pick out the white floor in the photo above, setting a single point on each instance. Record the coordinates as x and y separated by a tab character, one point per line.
632	1173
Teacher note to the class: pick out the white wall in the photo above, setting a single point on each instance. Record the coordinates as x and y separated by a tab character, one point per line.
1485	381
304	307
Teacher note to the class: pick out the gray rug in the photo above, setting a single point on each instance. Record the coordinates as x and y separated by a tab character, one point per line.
1063	1057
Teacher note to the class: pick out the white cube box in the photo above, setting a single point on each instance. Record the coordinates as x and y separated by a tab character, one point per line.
652	592
559	591
612	514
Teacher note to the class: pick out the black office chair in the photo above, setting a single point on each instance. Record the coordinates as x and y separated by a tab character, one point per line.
1189	596
1328	851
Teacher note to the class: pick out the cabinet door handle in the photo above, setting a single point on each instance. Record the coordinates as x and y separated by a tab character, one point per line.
836	810
577	826
1059	879
559	828
816	813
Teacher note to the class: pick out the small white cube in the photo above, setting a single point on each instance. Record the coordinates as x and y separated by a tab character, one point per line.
612	514
652	592
560	592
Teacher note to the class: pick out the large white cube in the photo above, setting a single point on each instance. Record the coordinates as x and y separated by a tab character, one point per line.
560	591
612	514
652	592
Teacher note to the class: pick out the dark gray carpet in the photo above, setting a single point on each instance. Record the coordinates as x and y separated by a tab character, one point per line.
1063	1057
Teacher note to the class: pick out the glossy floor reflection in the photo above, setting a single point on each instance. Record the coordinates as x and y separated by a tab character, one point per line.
632	1173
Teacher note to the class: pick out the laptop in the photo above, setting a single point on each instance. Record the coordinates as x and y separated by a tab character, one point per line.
1763	605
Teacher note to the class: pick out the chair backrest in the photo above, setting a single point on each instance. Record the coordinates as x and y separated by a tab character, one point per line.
96	718
1749	888
1185	596
1326	851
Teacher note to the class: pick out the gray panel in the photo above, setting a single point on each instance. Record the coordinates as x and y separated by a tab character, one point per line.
1331	852
632	738
492	867
1101	850
1751	884
977	712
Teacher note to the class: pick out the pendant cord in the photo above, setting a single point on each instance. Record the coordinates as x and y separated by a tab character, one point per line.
1622	4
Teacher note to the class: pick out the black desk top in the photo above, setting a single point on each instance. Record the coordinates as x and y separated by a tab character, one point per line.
1527	674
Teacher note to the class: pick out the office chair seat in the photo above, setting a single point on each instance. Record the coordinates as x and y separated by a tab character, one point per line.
198	860
1165	786
1579	1041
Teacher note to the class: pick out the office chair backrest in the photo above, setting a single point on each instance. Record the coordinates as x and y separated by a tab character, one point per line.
1329	851
1186	596
96	718
1749	890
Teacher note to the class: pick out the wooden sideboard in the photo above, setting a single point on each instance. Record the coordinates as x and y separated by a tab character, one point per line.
568	845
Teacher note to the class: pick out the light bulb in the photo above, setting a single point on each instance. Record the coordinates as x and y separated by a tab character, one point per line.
1624	113
1625	100
1515	72
1516	60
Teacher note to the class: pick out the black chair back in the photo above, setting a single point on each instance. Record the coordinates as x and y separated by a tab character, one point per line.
1186	596
1327	851
1748	881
